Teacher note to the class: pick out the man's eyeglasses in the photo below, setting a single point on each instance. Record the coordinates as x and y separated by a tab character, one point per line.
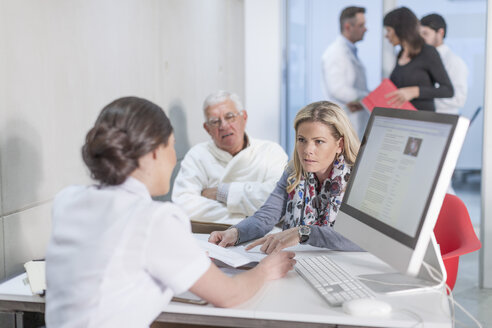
229	118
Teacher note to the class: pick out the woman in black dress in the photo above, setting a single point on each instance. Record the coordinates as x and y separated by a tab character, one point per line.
419	72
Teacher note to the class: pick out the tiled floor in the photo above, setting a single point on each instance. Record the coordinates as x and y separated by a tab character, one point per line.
466	291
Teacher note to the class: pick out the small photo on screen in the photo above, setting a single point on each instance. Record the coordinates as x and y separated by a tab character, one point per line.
413	146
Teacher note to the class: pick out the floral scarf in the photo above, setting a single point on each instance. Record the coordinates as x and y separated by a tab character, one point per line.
310	205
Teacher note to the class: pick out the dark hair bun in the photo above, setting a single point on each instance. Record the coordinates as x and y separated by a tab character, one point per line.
106	155
127	129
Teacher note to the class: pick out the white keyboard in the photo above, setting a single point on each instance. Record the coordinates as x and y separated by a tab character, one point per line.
333	283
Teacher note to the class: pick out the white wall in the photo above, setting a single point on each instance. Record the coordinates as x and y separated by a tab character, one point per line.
62	61
263	65
324	27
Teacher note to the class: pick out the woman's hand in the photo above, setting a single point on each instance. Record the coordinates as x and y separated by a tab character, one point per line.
224	238
224	291
398	97
277	241
277	264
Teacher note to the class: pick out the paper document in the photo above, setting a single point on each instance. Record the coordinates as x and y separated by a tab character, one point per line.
234	256
36	273
189	298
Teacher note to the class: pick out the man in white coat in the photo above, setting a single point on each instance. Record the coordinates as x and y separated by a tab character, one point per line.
344	74
231	176
433	30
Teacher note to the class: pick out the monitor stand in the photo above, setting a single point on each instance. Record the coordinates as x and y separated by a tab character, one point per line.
393	283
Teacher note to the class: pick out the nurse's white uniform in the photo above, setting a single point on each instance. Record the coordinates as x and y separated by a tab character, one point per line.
116	257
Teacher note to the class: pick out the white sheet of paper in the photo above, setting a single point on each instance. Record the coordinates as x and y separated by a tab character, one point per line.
234	256
36	273
237	256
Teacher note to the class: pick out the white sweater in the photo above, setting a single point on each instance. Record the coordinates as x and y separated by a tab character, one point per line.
251	175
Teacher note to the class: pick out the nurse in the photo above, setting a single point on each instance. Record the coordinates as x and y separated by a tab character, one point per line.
116	257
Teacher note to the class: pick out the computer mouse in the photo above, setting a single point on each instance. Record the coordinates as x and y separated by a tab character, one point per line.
367	307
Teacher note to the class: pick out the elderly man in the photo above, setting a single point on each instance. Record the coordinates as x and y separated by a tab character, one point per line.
230	177
344	75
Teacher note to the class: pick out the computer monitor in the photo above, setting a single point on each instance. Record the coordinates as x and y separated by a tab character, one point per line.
398	184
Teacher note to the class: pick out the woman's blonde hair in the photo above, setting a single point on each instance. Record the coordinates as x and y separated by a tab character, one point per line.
337	121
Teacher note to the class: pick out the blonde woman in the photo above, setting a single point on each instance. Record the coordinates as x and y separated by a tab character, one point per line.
310	191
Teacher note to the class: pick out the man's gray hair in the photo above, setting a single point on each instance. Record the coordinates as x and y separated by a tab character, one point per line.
219	97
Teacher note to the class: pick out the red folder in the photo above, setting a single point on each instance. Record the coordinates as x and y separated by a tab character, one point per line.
377	97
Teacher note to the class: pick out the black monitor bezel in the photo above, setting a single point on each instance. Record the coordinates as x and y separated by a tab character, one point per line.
376	224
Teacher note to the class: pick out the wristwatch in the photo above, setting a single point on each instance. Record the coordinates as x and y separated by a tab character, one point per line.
304	232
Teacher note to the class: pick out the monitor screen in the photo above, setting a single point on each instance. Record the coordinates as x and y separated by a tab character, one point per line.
399	179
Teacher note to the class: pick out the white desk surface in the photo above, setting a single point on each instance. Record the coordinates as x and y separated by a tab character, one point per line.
16	295
293	299
290	299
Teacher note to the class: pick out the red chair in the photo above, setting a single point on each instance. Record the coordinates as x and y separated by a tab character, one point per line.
455	235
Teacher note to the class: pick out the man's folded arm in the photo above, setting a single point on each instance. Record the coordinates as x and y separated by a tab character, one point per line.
187	193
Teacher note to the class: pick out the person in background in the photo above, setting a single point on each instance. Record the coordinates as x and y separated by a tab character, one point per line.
433	30
343	73
228	178
310	191
419	73
116	257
